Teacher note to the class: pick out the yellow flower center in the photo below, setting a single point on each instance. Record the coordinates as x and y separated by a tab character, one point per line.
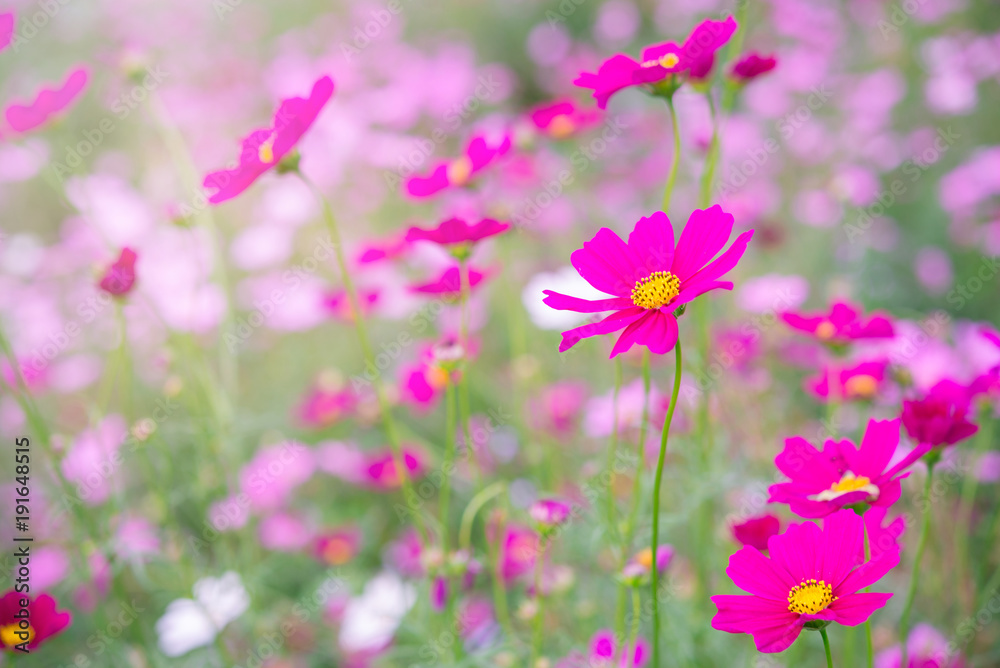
669	60
825	330
656	290
459	171
437	377
847	483
337	552
266	151
13	634
645	558
561	126
863	386
810	597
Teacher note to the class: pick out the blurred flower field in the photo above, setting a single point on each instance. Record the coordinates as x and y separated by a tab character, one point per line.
568	334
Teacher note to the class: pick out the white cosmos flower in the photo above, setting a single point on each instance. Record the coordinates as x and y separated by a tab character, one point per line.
371	619
568	282
188	624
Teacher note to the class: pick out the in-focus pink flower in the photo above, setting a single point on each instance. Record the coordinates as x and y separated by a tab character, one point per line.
659	62
119	278
751	66
821	482
263	149
48	102
458	172
6	29
450	282
812	575
861	381
650	277
842	325
45	620
549	512
337	546
940	417
456	231
925	648
564	119
756	531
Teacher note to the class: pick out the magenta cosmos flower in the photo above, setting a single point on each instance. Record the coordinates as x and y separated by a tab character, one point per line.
450	282
842	325
751	66
650	278
119	278
822	482
48	102
458	172
658	62
44	620
263	149
457	234
940	417
756	531
812	576
337	546
563	119
604	649
550	512
861	381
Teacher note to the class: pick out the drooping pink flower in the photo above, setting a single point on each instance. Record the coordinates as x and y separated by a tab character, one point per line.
756	531
564	118
811	575
450	282
48	102
940	417
381	469
119	278
842	325
458	172
263	149
925	648
659	61
456	231
549	512
861	381
336	547
45	620
751	66
821	482
6	29
650	278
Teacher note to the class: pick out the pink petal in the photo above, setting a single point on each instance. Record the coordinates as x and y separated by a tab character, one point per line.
773	627
607	264
658	332
653	240
612	323
877	447
843	546
869	573
796	551
726	262
753	573
703	237
563	302
855	609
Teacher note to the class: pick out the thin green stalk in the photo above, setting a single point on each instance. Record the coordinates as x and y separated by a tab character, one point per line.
904	620
465	540
637	482
826	646
964	523
451	427
359	323
463	379
613	449
675	159
536	638
656	501
633	636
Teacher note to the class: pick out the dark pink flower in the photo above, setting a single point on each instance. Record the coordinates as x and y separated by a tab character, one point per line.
940	417
263	149
812	575
821	482
338	546
119	278
756	531
751	66
44	620
650	278
658	62
48	102
458	172
384	249
382	471
925	648
549	512
861	381
991	336
326	404
450	282
457	231
563	119
842	325
518	552
604	649
6	29
338	303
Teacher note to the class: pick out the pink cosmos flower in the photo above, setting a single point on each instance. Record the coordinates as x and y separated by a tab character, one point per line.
283	532
751	66
658	62
842	474
6	29
270	478
339	304
325	405
813	576
650	278
422	383
458	172
925	648
563	119
518	552
756	531
940	417
604	649
264	148
45	620
404	554
338	546
861	381
48	102
991	336
382	472
549	512
449	283
559	406
384	249
642	562
842	325
119	278
455	231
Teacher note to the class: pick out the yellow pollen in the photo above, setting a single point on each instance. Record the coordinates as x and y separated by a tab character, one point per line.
850	483
459	171
863	386
825	330
11	635
561	126
436	377
669	60
266	151
656	290
645	558
810	597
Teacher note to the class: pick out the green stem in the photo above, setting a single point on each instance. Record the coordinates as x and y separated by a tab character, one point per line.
826	646
613	449
964	523
536	639
463	382
636	618
359	322
904	620
656	501
451	427
637	482
675	159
